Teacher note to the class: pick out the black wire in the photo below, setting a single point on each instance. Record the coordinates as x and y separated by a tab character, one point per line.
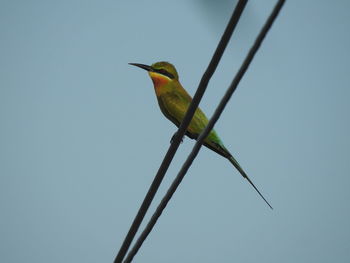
206	131
181	131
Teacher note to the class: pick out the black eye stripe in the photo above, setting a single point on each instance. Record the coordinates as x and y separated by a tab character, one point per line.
165	73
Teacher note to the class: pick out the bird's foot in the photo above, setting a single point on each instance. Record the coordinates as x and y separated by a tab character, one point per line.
173	138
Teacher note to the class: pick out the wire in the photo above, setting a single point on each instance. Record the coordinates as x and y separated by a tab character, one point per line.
181	131
206	131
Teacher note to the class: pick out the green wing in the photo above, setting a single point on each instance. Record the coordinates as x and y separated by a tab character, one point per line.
174	107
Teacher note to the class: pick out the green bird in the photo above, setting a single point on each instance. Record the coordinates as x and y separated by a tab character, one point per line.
174	101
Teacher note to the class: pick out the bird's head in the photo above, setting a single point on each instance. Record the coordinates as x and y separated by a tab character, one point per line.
160	72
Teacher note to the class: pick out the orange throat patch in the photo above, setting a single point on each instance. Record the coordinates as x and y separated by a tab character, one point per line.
159	81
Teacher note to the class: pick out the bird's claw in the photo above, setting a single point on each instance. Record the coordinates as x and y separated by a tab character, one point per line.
173	138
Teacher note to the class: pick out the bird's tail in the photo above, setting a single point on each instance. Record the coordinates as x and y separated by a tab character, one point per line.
242	172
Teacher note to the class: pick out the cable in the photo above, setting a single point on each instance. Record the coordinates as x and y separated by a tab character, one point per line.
206	131
181	131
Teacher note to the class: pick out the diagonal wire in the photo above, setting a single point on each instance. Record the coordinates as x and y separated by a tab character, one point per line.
181	131
206	131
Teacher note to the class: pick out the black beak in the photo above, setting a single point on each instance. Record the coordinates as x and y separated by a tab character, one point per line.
143	66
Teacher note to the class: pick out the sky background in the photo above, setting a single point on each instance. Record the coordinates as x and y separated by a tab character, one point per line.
82	136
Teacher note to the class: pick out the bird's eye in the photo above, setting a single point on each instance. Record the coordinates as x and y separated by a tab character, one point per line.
165	73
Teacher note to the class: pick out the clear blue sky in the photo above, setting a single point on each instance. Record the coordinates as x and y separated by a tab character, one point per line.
82	137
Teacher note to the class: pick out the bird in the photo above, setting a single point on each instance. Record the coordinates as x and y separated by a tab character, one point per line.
174	101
